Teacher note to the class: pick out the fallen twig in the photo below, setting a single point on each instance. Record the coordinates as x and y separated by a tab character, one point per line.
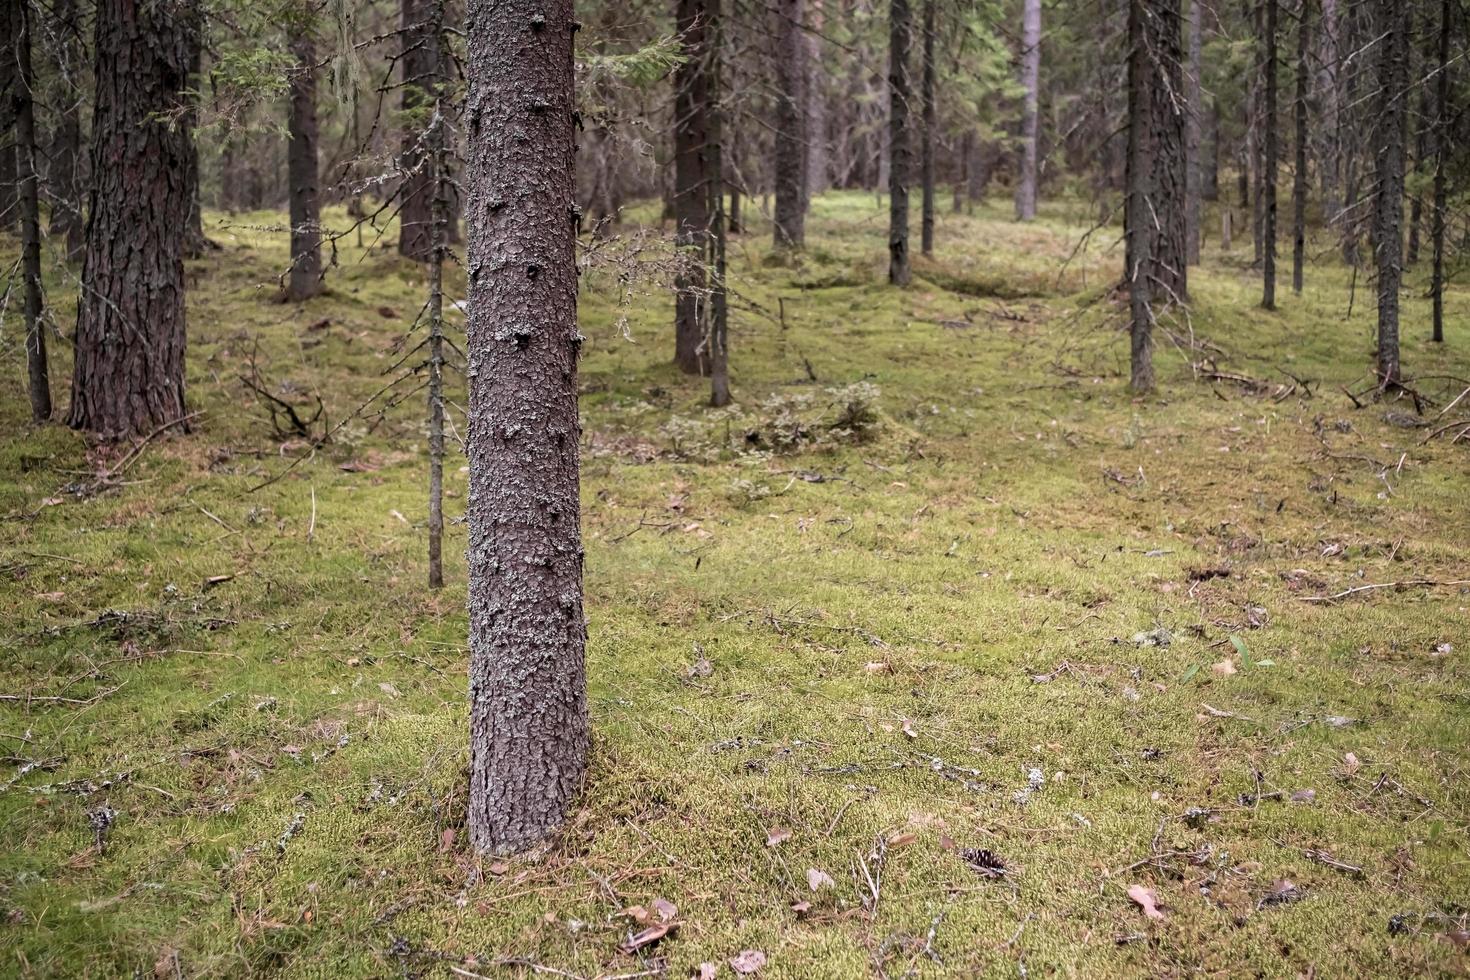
1405	584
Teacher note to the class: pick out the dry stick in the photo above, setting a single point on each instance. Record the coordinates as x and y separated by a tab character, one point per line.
54	699
1407	583
132	456
311	528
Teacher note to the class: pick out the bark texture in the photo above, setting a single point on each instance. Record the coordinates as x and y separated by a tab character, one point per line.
305	279
1388	212
1194	115
1139	228
1268	178
128	375
65	183
1437	220
1031	100
690	194
791	119
420	62
900	27
24	113
1299	175
818	151
930	134
528	701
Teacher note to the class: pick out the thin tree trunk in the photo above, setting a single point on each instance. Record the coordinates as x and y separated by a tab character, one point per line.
1139	226
1031	84
899	29
128	372
9	184
196	243
931	125
1329	84
66	146
962	181
420	59
1268	245
1255	136
790	134
1348	150
1388	238
1210	180
1195	113
439	232
1299	177
38	376
305	279
1170	255
1441	151
528	686
818	149
718	341
1421	151
690	194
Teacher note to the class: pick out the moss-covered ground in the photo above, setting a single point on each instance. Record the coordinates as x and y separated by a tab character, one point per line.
884	614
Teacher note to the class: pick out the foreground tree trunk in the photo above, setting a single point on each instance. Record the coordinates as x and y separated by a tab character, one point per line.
24	112
305	279
420	61
1139	227
931	126
1031	83
690	198
128	375
1388	231
791	117
1437	220
528	700
1268	179
899	28
1299	177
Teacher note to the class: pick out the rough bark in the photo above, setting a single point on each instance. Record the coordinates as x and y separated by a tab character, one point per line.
128	374
1328	98
420	63
1140	230
718	329
439	239
528	700
24	114
305	278
65	184
1299	175
790	129
1195	114
931	127
1164	27
1349	219
1268	179
9	187
818	149
690	195
1031	84
1437	220
196	243
1388	238
900	24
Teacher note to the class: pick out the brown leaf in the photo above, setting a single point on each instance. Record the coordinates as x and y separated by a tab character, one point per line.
498	868
446	840
902	839
748	961
706	971
908	729
817	879
1145	899
665	909
1224	668
1350	764
877	667
777	835
801	909
648	936
637	913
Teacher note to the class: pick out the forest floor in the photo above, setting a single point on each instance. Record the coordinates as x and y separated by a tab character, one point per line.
936	654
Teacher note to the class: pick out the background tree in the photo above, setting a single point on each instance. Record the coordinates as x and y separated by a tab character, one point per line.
1388	239
1299	172
22	110
305	278
930	134
900	23
790	124
1031	83
1269	177
691	199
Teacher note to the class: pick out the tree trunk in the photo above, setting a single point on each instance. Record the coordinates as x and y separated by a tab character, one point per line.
1268	243
1140	230
439	234
899	29
1328	85
1299	177
962	179
24	113
128	373
1441	151
66	145
690	194
420	61
1195	114
1031	83
1421	151
306	237
818	151
9	186
718	333
1388	233
931	126
1348	150
790	134
196	243
1165	29
1210	175
528	687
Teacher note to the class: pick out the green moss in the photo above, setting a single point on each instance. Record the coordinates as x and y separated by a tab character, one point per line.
1013	514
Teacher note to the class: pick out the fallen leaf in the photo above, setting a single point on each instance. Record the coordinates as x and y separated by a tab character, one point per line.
706	971
648	937
50	596
389	689
902	839
1224	668
666	909
498	868
817	879
748	961
700	668
908	729
637	913
777	835
877	667
1350	764
387	313
1145	899
446	839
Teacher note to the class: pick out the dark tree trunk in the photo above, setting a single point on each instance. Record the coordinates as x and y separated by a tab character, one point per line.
1139	227
931	127
1268	180
1388	231
690	195
65	188
1328	93
791	118
1348	127
1299	177
195	241
818	150
733	220
420	61
439	233
128	375
1441	151
900	25
1031	98
1165	29
9	187
23	111
528	687
718	333
306	237
1192	127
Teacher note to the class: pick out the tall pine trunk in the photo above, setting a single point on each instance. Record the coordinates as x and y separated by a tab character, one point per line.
1192	128
1139	227
1268	179
1299	176
717	331
818	149
931	125
128	372
1030	106
26	155
420	61
1388	232
1437	220
900	25
791	118
196	242
305	279
65	190
690	193
528	688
